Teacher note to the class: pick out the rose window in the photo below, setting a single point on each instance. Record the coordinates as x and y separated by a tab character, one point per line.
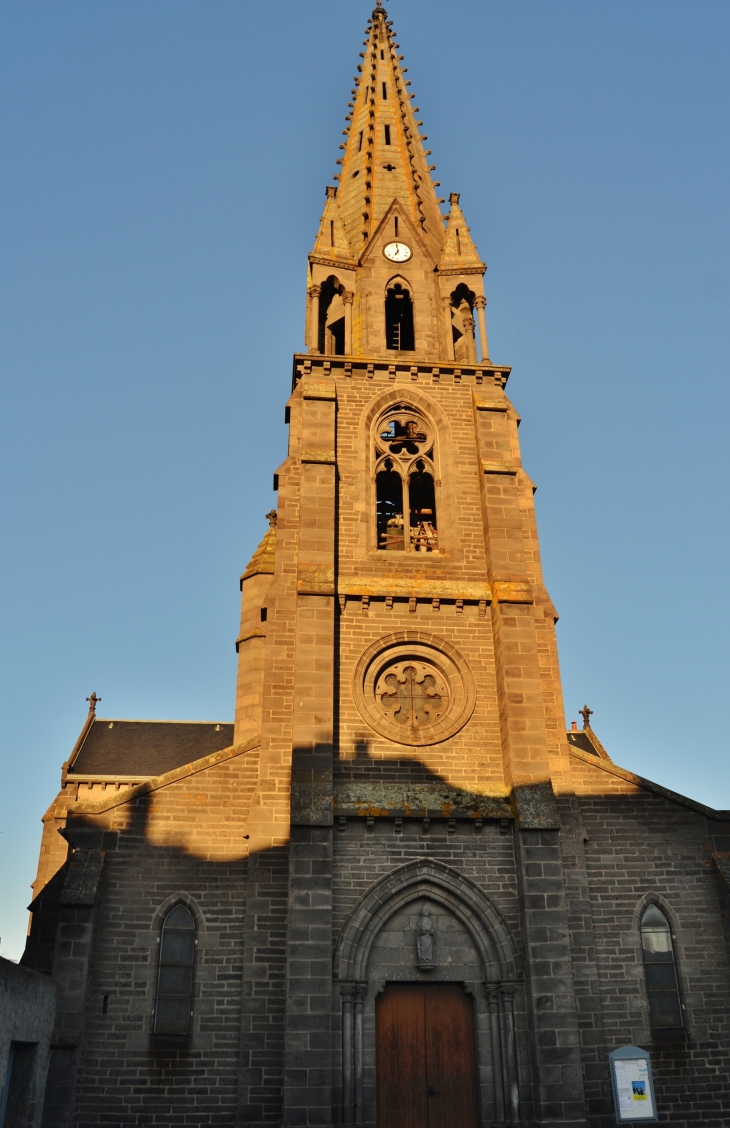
414	690
412	693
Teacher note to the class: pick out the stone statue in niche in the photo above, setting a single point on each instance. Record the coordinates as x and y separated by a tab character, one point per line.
424	940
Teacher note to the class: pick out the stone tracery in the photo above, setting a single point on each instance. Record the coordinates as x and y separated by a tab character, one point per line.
405	479
412	693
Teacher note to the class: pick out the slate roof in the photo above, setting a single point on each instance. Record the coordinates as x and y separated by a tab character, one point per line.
147	748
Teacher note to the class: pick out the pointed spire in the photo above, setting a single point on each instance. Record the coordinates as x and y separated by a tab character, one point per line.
331	241
384	157
460	251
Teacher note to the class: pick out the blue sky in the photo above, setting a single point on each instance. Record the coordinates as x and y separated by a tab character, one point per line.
163	171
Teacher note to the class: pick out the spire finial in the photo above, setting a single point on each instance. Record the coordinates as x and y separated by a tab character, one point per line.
93	702
271	517
586	714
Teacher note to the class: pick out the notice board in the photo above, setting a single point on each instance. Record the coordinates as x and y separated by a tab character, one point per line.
633	1085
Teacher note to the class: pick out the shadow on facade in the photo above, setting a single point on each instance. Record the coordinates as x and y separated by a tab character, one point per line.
259	919
96	928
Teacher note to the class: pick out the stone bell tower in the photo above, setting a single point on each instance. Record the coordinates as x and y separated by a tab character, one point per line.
403	493
397	653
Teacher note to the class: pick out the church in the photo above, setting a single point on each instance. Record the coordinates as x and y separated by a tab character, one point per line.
395	892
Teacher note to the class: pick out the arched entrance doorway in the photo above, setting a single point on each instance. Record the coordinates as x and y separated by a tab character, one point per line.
400	993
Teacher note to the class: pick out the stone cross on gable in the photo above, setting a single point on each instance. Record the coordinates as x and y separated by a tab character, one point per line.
586	714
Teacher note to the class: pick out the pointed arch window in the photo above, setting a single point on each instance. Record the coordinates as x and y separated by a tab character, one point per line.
331	340
174	1002
399	333
665	1008
405	482
462	323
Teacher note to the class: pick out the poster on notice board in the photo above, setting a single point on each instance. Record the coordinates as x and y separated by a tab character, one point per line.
633	1086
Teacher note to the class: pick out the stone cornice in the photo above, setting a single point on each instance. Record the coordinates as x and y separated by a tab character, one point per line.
316	579
418	587
457	271
503	466
319	579
484	402
398	367
88	777
337	263
258	632
318	389
378	800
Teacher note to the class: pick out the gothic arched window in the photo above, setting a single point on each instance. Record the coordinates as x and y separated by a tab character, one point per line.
174	1001
665	1009
331	318
399	333
405	481
462	324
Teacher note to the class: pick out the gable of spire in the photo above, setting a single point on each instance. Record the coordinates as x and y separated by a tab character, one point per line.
409	232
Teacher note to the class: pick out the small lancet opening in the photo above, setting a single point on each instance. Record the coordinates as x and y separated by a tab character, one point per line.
399	333
331	318
389	507
385	90
422	507
462	324
387	135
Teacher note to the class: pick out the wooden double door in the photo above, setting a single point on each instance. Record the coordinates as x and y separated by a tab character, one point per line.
426	1071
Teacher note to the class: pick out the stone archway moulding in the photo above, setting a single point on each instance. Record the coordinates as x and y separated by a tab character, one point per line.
443	885
407	394
181	898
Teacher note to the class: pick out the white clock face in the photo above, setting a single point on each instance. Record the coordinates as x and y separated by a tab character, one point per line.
397	252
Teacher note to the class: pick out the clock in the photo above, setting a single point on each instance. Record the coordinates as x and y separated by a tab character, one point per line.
397	252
